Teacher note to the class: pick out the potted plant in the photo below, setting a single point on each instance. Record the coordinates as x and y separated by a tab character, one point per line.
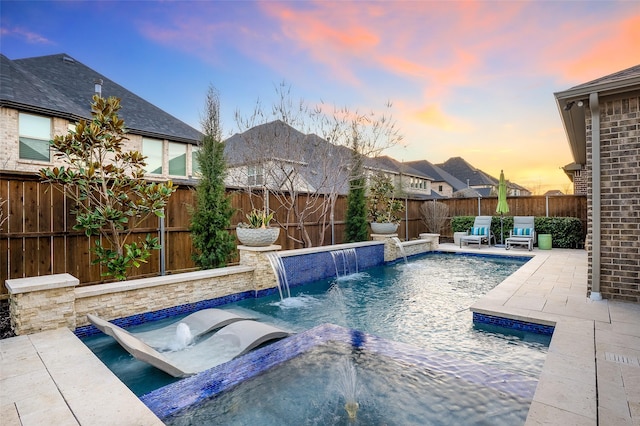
257	232
383	208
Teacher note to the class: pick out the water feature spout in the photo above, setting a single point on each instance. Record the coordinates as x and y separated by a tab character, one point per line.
352	409
345	261
281	274
398	243
348	386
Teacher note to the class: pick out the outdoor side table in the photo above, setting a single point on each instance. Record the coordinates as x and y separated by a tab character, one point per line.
520	241
457	236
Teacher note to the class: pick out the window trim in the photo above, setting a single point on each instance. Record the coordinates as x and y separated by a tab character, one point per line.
34	138
160	142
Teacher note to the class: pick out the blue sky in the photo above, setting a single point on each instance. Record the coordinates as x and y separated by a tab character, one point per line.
468	79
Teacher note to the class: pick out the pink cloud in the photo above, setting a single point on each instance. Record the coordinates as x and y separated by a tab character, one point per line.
432	115
576	44
28	36
616	46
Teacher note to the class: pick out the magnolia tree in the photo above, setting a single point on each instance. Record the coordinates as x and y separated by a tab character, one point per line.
108	187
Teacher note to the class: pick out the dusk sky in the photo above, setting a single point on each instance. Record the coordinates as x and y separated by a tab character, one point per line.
466	79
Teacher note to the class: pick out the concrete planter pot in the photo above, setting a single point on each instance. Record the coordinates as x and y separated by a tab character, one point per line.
383	228
257	237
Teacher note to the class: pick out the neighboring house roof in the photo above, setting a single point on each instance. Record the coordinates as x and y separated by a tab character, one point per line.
321	163
270	140
574	102
465	172
392	165
434	195
554	192
60	86
437	174
467	193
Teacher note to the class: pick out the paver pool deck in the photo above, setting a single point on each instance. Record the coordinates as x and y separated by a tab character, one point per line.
591	374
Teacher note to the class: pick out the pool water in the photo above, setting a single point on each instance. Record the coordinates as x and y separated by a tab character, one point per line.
313	389
424	303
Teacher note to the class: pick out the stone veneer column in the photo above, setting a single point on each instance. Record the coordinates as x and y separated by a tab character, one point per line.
390	248
42	303
433	240
263	275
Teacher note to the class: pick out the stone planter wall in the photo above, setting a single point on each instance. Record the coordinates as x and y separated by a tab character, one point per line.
123	299
54	301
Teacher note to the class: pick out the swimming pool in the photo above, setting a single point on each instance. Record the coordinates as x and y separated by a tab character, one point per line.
423	303
386	382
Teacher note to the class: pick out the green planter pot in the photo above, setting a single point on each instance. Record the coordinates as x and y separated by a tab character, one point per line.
544	241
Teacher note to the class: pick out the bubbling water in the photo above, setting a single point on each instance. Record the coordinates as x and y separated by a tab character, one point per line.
347	384
182	338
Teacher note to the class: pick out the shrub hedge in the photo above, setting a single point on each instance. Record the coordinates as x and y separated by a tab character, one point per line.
566	232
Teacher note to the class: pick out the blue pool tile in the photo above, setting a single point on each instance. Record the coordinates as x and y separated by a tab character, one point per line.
513	324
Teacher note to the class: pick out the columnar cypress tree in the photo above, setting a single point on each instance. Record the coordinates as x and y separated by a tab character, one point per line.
356	222
212	214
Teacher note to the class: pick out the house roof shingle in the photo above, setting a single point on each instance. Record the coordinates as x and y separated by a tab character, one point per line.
464	171
573	104
58	85
438	174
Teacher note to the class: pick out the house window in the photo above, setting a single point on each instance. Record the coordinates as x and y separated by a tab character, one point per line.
195	164
177	159
440	188
255	175
152	149
35	133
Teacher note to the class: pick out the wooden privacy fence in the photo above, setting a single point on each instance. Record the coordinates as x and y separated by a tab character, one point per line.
37	237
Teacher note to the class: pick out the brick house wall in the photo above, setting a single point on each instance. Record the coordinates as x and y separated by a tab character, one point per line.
442	188
9	146
579	182
620	195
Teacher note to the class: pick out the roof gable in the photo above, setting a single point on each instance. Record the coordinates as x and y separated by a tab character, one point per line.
465	172
611	79
437	174
573	105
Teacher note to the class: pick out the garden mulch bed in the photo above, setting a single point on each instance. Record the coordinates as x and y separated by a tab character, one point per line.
5	321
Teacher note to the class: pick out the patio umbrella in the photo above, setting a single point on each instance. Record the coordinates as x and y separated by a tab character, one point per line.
502	206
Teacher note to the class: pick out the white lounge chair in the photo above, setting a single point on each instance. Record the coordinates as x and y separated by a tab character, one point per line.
200	322
480	233
229	342
523	232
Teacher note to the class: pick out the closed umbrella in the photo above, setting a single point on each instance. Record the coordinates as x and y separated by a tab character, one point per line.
502	206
